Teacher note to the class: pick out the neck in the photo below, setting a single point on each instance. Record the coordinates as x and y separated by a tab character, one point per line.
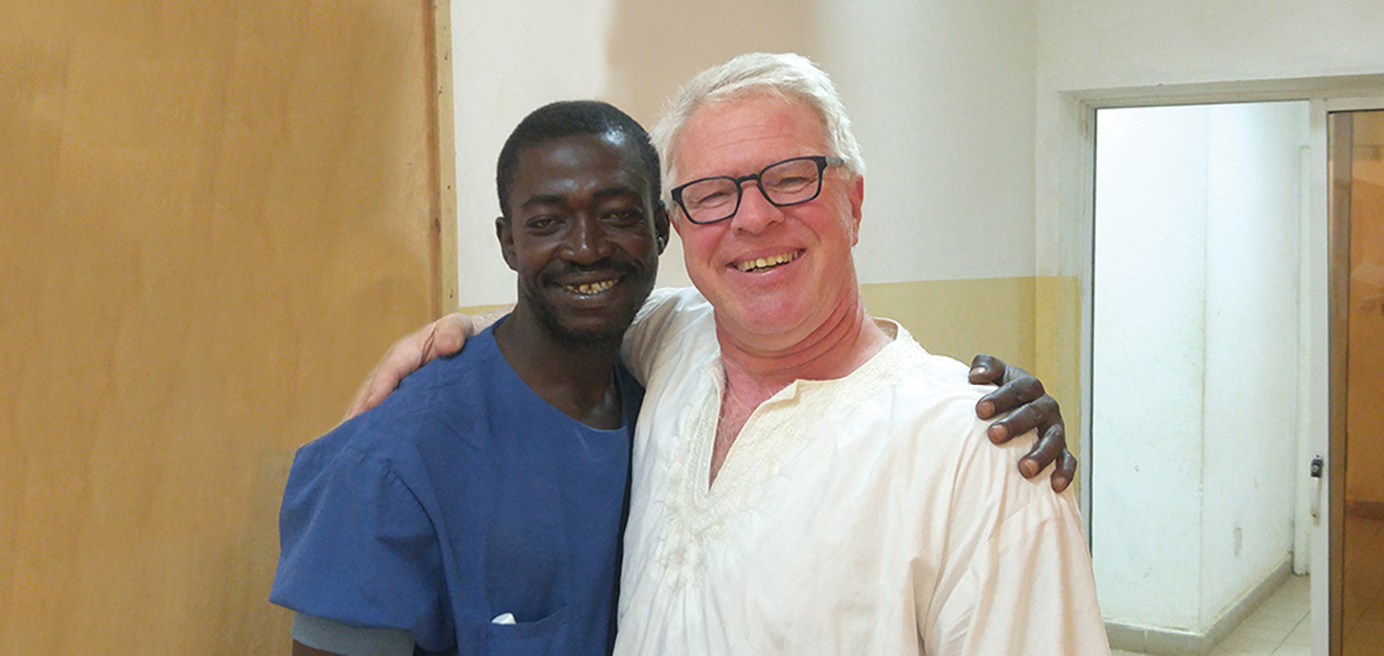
837	347
576	379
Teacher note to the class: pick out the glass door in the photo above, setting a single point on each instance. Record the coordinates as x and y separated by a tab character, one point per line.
1356	526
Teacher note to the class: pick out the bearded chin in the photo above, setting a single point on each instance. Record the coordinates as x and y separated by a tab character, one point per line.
578	338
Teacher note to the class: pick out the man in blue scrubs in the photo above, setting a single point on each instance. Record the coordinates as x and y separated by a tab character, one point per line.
479	509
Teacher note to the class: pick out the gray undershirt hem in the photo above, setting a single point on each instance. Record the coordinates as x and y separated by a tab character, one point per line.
347	640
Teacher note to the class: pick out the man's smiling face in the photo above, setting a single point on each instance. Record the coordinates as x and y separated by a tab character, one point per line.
583	233
774	274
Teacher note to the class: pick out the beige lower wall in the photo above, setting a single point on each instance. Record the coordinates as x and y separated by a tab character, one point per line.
1057	347
477	310
960	318
1034	323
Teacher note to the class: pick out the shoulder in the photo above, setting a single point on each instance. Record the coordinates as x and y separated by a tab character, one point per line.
671	310
927	387
479	358
672	321
937	406
442	398
665	298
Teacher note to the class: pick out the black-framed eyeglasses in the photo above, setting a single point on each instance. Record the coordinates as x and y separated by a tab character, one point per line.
790	182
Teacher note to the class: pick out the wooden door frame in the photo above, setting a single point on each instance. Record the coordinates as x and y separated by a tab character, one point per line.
443	156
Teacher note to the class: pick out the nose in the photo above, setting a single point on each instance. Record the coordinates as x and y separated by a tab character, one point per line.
755	212
586	241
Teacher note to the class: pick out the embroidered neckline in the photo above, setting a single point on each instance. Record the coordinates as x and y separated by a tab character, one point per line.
698	513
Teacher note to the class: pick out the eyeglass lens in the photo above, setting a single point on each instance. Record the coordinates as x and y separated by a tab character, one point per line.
785	183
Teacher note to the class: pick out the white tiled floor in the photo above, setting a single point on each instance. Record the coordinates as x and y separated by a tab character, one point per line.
1282	626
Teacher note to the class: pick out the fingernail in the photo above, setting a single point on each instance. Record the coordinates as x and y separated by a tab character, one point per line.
1028	467
986	409
977	371
1060	482
997	432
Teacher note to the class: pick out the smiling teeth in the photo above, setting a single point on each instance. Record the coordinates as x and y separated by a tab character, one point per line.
766	262
591	289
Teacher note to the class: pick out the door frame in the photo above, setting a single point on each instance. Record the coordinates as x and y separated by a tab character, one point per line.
1321	282
1330	539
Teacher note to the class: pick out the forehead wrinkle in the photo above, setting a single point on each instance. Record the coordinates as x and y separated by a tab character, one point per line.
608	166
544	199
604	193
619	190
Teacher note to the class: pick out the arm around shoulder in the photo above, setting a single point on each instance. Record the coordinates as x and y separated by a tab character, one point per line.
442	337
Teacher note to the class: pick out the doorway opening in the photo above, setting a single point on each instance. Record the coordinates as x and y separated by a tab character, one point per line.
1196	249
1199	514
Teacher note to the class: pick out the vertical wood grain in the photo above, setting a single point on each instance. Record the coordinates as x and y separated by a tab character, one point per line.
215	218
444	157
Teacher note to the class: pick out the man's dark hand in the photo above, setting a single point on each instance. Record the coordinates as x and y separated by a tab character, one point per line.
1032	409
442	337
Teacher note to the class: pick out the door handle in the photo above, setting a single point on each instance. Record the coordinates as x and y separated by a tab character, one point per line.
1317	465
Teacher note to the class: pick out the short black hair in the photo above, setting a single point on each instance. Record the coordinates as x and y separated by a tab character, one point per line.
569	118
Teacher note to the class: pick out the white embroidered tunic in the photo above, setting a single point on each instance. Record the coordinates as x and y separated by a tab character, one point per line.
863	515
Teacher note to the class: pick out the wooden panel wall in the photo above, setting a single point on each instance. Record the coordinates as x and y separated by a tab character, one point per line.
215	217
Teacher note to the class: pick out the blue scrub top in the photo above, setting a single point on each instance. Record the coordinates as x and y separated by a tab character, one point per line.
462	497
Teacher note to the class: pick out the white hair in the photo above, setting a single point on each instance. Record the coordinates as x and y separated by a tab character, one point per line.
785	75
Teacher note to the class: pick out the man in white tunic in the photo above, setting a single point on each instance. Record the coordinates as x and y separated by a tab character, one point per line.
808	480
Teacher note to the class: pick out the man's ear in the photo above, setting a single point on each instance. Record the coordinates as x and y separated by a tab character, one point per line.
505	233
661	226
677	225
856	196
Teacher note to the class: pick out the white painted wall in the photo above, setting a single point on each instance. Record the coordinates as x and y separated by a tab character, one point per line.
1150	287
1102	48
1251	345
508	59
941	93
1089	44
1196	284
